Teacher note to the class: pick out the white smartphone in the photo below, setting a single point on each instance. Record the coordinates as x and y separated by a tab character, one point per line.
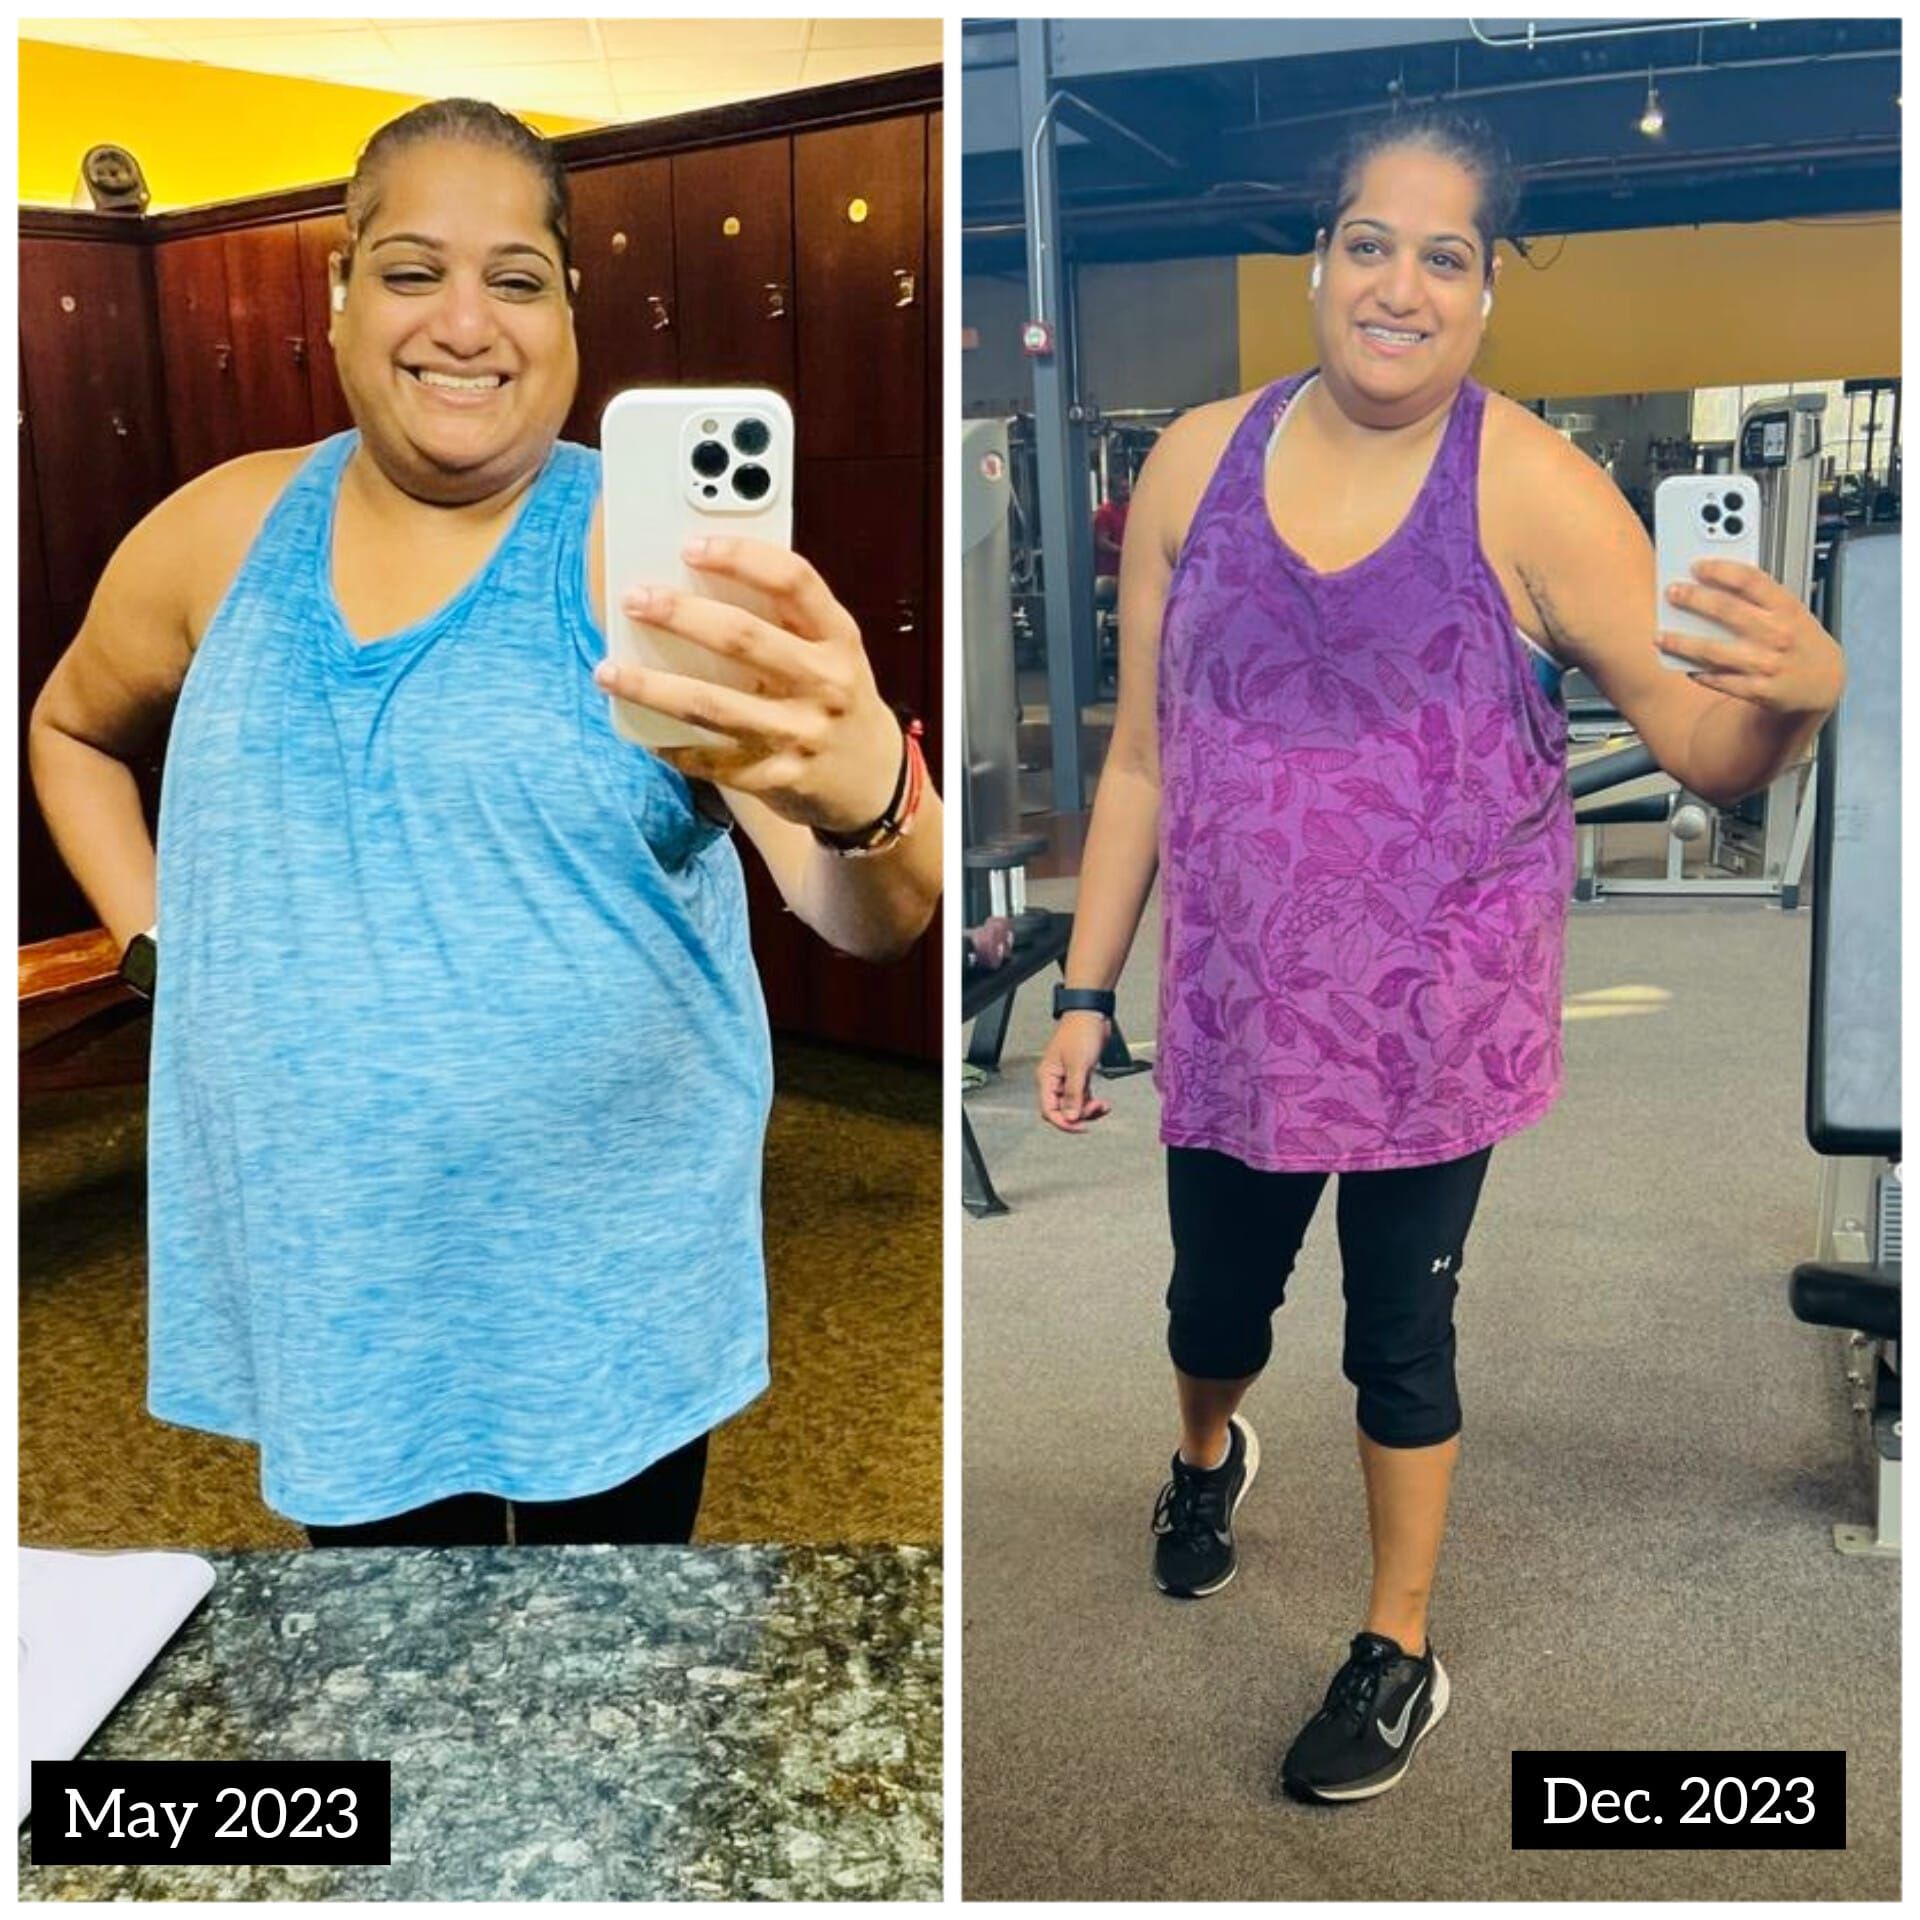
677	463
1699	516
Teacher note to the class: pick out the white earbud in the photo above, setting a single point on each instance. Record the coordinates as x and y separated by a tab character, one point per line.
1486	303
339	299
1313	285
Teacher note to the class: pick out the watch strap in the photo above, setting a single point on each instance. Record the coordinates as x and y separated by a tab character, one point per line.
1083	1000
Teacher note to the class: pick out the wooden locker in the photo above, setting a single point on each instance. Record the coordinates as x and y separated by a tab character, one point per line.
853	1001
933	710
94	389
50	903
933	946
733	264
269	334
38	646
320	236
197	352
860	280
936	322
862	523
625	317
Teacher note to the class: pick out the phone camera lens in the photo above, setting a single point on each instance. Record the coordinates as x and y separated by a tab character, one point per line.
753	437
710	459
752	483
1734	523
1710	514
1733	503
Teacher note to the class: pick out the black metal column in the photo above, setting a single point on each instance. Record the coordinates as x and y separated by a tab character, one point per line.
1060	454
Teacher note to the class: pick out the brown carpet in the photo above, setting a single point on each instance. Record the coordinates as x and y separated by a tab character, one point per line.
844	1447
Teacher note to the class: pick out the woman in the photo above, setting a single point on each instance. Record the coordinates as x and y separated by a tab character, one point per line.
460	1065
1345	603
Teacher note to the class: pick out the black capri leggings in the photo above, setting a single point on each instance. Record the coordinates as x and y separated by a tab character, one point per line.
655	1508
1403	1233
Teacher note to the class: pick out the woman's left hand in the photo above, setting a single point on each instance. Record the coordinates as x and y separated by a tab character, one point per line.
1778	656
812	739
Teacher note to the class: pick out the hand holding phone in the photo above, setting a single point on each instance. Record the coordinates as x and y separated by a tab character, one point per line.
782	706
1699	516
678	464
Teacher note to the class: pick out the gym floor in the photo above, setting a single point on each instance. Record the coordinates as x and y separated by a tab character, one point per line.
1640	1551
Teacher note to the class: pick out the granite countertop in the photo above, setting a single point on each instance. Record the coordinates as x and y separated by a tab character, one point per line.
584	1723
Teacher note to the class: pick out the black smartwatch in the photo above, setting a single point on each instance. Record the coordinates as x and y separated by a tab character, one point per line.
1082	1000
140	965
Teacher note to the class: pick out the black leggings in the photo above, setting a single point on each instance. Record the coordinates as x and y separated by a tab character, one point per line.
656	1508
1236	1233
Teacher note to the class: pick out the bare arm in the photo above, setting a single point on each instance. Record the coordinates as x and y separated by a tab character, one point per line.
1589	569
874	907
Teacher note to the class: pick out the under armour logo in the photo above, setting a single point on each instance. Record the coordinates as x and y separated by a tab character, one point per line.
1441	1265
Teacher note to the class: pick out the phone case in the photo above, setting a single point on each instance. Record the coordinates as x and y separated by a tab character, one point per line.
1700	516
678	462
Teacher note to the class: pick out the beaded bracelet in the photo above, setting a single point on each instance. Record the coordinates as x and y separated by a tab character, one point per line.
892	825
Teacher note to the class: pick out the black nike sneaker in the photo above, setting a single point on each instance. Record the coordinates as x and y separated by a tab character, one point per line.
1193	1553
1381	1705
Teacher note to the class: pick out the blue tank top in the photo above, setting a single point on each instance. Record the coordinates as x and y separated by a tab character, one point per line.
460	1068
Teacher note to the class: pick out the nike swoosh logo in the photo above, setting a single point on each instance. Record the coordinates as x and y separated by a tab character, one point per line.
1396	1736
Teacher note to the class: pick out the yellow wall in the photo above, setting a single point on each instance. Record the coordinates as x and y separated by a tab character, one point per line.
1659	311
199	133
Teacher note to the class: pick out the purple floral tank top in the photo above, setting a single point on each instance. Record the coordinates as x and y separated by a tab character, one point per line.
1366	841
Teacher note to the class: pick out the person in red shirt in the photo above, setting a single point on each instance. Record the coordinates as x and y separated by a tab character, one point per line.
1110	527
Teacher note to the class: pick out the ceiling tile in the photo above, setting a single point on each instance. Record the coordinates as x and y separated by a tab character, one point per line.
822	69
115	36
491	43
655	106
318	56
643	39
504	86
722	71
828	34
253	27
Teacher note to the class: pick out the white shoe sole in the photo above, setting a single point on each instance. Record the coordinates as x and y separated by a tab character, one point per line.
1253	1467
1442	1699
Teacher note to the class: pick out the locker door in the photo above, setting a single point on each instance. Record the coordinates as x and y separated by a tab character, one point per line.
38	647
862	524
319	237
93	373
936	323
269	334
933	946
50	903
854	1001
625	319
733	260
197	351
860	238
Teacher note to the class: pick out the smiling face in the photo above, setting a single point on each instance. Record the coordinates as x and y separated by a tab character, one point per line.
455	344
1397	315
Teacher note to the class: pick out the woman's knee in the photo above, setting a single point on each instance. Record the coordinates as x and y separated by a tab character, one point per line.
1408	1397
1219	1346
